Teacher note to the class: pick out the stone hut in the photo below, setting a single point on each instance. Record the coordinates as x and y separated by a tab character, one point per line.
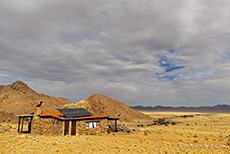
72	121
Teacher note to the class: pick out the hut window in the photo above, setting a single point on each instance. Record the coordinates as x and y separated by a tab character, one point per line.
87	125
92	124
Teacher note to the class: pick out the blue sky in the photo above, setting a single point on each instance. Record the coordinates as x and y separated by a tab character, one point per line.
138	52
164	62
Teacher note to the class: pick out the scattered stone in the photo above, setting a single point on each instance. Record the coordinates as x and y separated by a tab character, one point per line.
195	135
196	141
228	143
23	136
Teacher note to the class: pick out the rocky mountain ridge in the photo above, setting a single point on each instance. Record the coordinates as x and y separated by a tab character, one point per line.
19	98
104	105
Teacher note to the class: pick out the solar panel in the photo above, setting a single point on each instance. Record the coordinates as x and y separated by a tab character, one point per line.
74	112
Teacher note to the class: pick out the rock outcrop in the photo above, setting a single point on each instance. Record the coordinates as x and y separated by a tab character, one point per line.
19	98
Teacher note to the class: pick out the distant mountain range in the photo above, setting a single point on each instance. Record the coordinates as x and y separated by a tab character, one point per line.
220	108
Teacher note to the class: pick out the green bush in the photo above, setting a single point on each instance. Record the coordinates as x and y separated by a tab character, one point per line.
93	133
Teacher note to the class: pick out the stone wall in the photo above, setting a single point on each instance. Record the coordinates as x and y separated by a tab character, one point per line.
102	129
54	127
47	126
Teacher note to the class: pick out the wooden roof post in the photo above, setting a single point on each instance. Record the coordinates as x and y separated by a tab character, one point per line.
19	122
115	125
63	128
22	125
77	130
29	125
70	127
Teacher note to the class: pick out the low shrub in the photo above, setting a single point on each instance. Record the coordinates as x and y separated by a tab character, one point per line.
93	133
4	129
160	121
186	116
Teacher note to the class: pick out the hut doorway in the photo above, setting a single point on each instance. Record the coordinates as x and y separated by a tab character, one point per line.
66	127
69	128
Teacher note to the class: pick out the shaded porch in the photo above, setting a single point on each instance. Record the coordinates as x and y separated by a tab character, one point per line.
115	123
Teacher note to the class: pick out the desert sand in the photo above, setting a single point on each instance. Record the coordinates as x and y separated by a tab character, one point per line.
183	133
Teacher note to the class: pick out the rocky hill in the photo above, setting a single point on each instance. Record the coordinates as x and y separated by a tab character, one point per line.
100	104
18	98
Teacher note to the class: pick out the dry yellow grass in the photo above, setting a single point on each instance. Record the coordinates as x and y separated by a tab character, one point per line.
202	133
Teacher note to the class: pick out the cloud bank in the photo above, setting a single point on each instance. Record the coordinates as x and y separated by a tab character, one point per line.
139	52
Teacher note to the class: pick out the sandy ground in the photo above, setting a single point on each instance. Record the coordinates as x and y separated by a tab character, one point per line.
199	133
